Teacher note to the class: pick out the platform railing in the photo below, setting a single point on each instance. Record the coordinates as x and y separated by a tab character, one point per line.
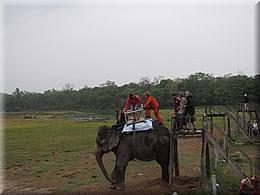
224	153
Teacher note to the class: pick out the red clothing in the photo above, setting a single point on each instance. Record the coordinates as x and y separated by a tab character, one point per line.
156	113
176	102
152	102
133	102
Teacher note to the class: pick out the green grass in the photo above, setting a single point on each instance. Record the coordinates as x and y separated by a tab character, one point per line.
48	148
227	179
187	158
60	152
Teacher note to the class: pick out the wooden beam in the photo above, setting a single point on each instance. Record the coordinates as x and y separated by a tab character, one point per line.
175	157
207	161
214	184
202	157
225	155
216	158
170	168
240	127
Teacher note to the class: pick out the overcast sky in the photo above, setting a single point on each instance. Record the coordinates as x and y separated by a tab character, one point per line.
86	43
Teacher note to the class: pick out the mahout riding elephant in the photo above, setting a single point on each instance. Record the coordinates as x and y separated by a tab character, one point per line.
142	145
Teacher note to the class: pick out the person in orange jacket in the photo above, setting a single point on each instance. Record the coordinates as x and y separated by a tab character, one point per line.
152	104
133	100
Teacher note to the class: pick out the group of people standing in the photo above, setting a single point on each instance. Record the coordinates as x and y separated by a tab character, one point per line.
133	102
184	110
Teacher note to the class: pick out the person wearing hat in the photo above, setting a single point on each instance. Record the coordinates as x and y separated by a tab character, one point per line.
152	104
182	110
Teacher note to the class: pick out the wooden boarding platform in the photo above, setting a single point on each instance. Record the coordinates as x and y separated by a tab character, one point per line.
188	134
250	107
230	118
179	132
215	114
242	110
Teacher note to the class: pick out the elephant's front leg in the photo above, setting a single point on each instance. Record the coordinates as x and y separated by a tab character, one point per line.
114	177
121	168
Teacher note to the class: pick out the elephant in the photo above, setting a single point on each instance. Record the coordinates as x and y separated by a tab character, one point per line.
146	145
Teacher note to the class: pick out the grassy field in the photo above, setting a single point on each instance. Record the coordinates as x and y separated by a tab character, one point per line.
55	152
51	149
58	152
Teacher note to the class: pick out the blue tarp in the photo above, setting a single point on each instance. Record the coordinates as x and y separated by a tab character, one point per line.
143	126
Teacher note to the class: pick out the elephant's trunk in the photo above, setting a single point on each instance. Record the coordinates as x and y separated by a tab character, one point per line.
102	167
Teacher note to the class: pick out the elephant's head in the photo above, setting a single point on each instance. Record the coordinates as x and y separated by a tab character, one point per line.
106	140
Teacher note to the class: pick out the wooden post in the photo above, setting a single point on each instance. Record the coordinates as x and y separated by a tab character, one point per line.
214	184
202	157
207	161
228	123
228	135
224	122
211	125
244	117
216	158
225	131
228	131
238	110
170	168
203	148
175	156
237	125
171	156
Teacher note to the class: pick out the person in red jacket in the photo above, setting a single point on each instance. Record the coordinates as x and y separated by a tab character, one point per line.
133	100
152	104
176	103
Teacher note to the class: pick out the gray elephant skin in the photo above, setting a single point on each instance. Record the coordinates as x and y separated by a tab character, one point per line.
142	145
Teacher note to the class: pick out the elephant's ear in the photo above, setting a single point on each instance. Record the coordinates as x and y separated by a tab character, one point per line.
113	139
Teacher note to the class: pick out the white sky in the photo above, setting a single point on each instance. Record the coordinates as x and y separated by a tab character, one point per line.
50	43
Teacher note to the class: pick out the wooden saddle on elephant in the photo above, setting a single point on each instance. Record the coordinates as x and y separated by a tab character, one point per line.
135	116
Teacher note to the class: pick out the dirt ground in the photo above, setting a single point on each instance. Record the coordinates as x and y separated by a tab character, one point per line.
136	184
145	185
146	182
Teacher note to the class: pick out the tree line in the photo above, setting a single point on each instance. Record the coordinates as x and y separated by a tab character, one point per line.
205	88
